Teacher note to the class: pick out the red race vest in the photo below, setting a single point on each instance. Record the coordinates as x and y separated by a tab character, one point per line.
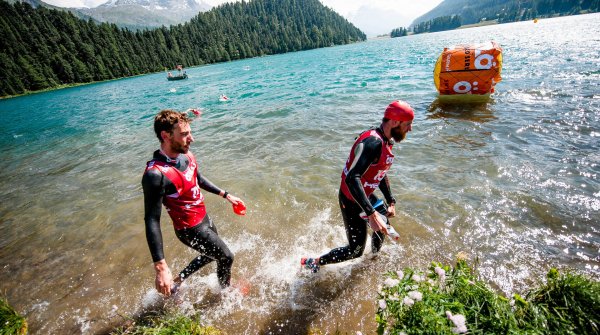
186	206
376	172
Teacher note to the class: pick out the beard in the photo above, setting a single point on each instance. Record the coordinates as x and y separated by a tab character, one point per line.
397	134
180	148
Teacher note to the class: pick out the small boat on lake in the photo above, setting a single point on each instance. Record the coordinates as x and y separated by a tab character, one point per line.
179	76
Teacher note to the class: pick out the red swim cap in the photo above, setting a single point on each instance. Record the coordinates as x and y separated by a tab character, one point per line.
400	111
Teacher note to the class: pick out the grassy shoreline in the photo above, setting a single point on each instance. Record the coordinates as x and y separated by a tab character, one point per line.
64	86
440	300
453	300
11	322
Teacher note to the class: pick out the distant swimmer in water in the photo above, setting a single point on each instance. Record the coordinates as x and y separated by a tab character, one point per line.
366	170
195	111
223	97
172	178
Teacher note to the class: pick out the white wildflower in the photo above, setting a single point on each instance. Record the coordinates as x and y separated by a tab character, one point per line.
458	319
394	297
408	301
414	287
400	274
359	333
441	273
460	330
416	278
382	304
415	295
459	322
390	282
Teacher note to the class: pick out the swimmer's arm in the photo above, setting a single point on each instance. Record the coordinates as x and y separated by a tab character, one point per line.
152	183
386	190
365	154
384	187
208	186
153	192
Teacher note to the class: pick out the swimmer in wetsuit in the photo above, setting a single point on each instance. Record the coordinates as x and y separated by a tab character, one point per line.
366	170
172	178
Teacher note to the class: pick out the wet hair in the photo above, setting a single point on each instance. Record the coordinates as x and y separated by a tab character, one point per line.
167	119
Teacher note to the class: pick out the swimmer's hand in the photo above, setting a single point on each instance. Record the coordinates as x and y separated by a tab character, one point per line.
164	278
238	205
233	199
391	211
377	222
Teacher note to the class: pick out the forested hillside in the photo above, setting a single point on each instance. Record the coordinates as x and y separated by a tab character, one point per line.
507	10
438	24
44	48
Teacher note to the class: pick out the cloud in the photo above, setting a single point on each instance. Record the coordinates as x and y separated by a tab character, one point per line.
408	8
377	21
376	17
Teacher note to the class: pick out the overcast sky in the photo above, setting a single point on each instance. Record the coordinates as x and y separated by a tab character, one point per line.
373	17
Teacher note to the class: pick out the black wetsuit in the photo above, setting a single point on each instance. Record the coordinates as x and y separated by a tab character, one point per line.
356	227
202	237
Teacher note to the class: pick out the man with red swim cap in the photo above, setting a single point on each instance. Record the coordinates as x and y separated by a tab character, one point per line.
366	170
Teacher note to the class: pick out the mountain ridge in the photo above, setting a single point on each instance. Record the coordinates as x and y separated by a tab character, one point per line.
39	3
506	10
133	14
139	14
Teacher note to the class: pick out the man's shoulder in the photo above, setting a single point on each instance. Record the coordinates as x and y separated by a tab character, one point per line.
372	137
154	166
152	177
152	180
152	170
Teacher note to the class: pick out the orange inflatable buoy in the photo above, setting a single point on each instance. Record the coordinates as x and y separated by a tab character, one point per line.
468	70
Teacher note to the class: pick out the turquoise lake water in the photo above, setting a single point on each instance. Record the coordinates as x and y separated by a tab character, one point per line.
514	182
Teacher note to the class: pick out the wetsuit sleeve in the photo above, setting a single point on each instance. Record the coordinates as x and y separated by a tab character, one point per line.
384	186
365	154
207	185
152	183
